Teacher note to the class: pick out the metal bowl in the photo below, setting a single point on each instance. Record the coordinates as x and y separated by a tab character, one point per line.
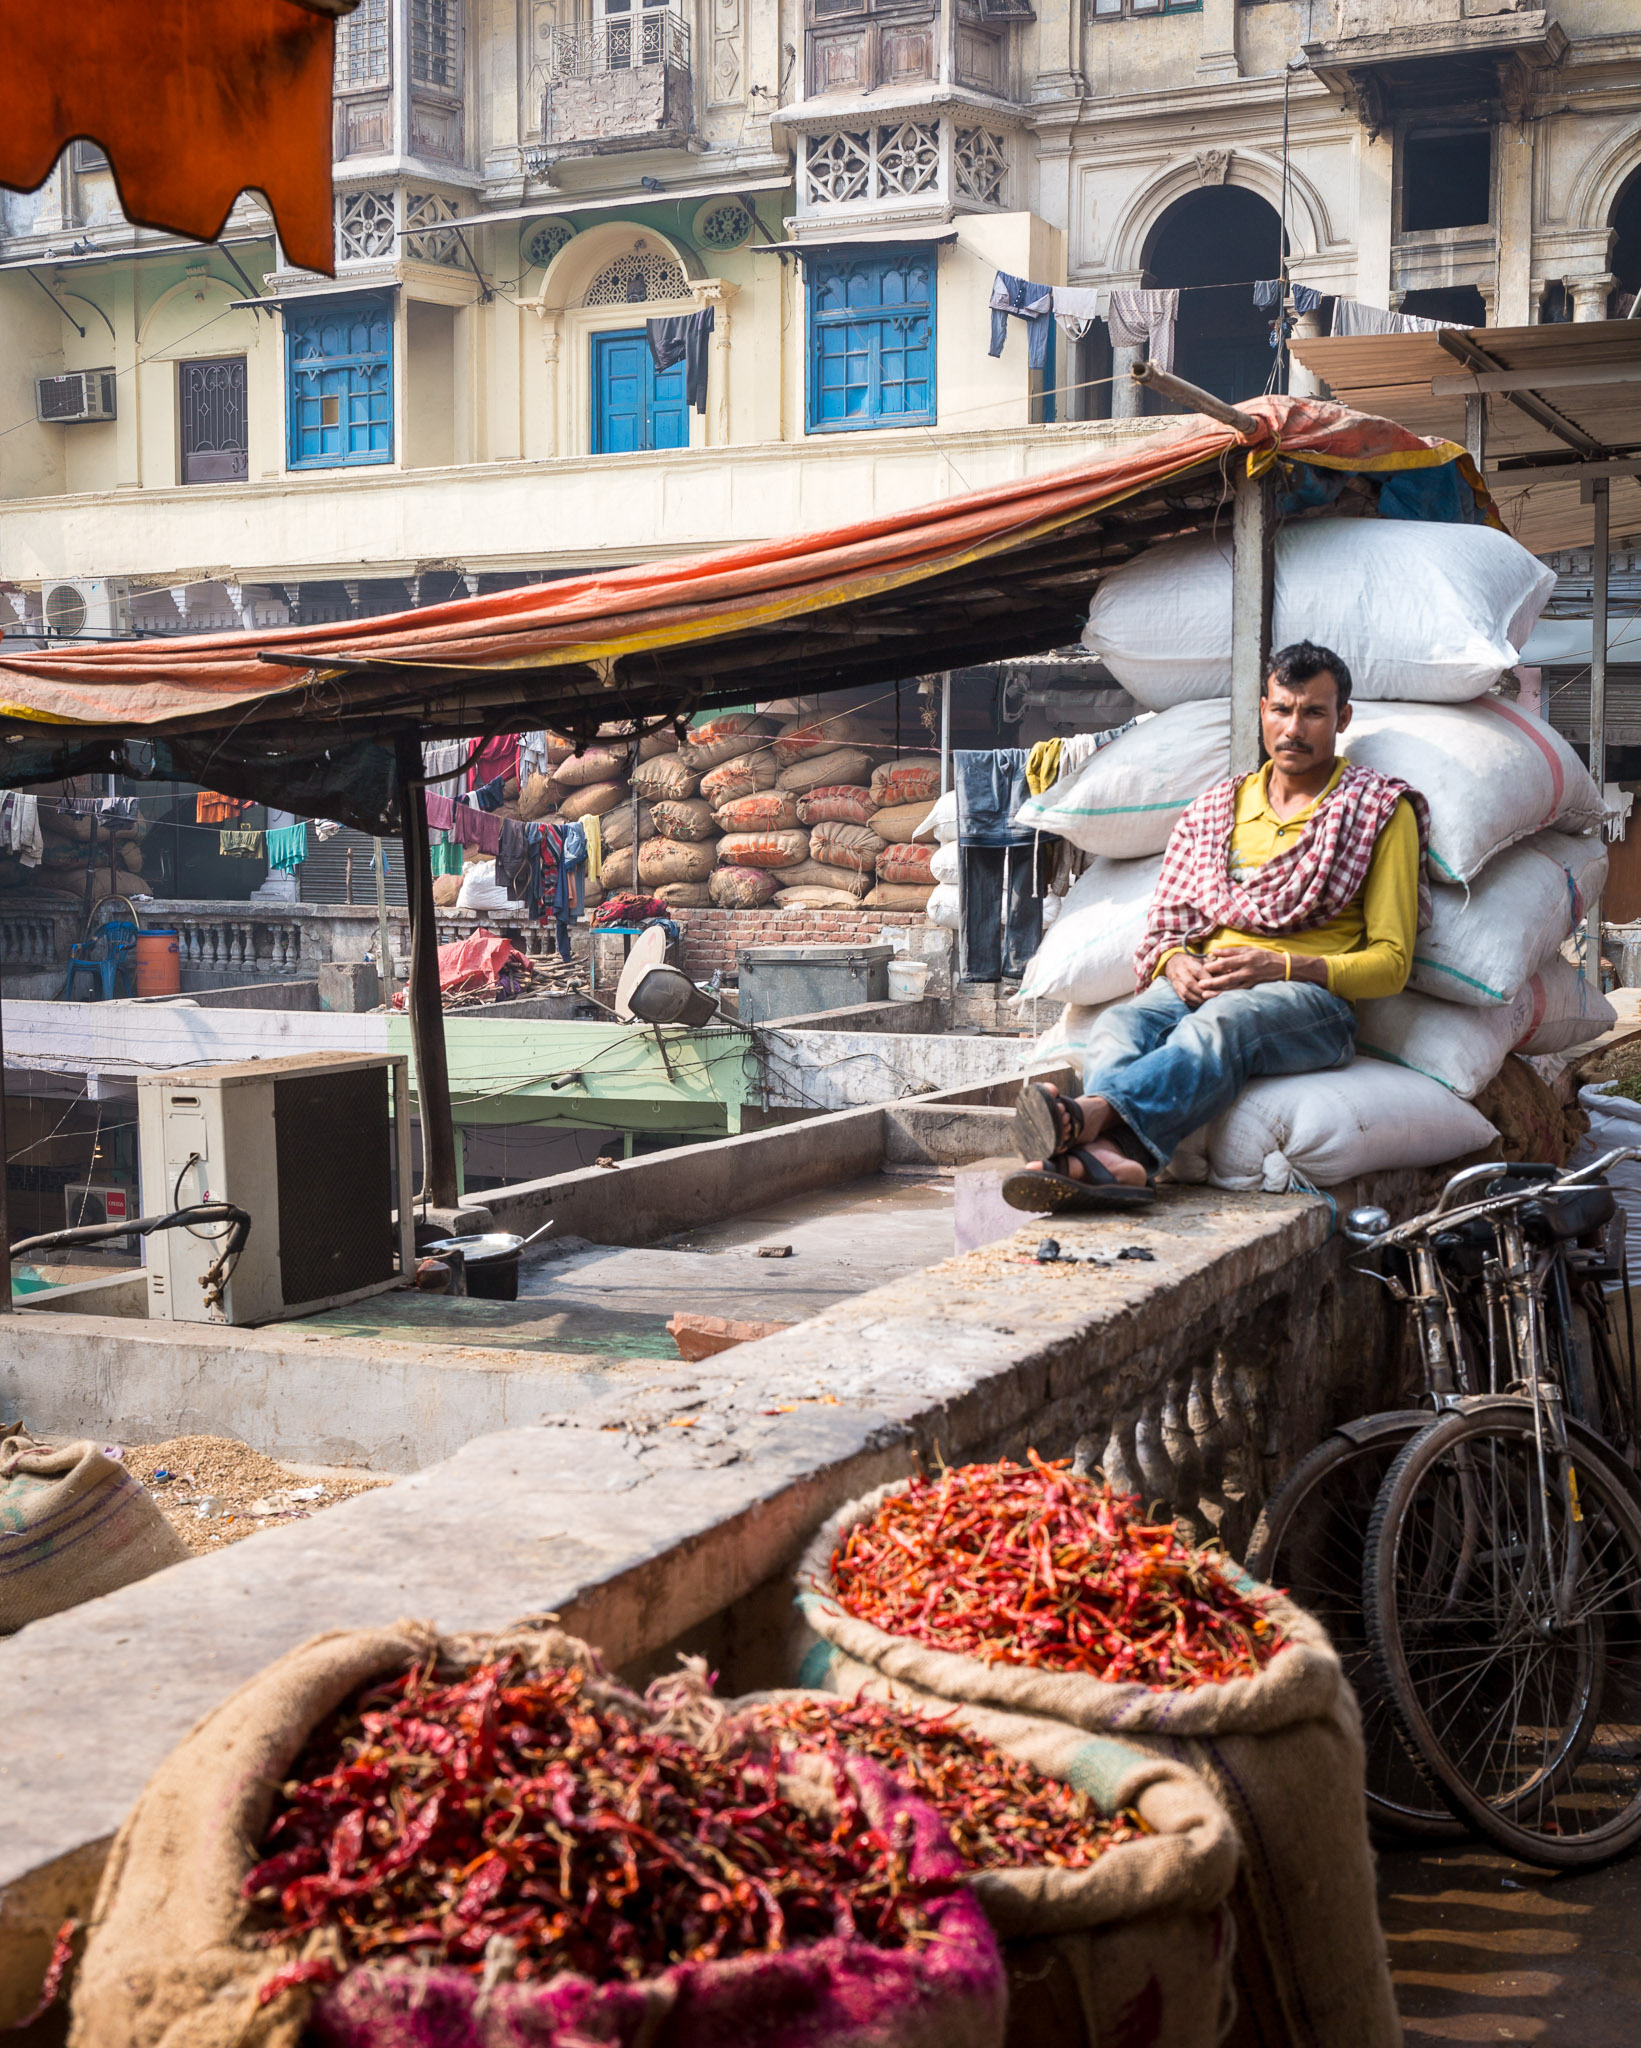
480	1246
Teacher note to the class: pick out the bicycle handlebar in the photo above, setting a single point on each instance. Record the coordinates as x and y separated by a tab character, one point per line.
1404	1233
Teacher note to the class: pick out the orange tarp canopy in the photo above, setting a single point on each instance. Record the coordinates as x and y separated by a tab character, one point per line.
194	101
1008	569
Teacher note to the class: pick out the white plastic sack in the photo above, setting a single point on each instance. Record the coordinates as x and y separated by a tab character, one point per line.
1420	610
479	891
1483	942
943	862
1461	1048
1065	1042
1126	799
1087	954
943	906
1564	1009
1321	1129
1490	774
1615	1121
941	823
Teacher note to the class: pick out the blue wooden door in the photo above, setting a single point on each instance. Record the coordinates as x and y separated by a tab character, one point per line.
634	408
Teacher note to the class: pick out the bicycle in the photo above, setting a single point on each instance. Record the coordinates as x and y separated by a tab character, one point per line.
1494	1636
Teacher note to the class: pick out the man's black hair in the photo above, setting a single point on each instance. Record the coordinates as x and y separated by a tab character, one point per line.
1293	667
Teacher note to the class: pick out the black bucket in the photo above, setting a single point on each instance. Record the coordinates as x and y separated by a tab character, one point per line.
492	1260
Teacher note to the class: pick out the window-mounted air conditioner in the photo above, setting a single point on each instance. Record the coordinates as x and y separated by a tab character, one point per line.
100	604
315	1148
77	396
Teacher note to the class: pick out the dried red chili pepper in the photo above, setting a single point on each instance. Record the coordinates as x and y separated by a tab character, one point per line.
433	1817
1032	1564
62	1951
1000	1812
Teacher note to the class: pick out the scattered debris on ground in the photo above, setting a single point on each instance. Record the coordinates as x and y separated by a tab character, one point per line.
214	1490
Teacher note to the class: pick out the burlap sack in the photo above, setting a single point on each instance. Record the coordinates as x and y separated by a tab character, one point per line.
593	800
911	780
596	764
1144	1930
846	846
898	824
723	737
819	771
907	864
538	798
1282	1751
674	860
685	818
685	895
74	1524
169	1962
763	849
843	803
769	810
742	776
743	888
446	888
665	778
615	829
898	896
810	898
818	733
618	871
817	874
665	741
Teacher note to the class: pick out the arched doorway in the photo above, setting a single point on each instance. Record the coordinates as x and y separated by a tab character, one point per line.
1227	237
1626	253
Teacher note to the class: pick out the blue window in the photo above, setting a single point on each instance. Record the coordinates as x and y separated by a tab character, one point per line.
871	342
635	406
339	382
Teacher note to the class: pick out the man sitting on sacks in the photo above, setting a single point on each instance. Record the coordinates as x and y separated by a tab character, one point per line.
1285	897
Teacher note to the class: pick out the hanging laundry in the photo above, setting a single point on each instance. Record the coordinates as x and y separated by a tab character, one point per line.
498	759
1351	316
472	827
1077	307
1026	301
212	808
1145	320
1043	766
287	846
683	337
446	857
1305	298
325	828
442	758
534	758
20	827
490	796
240	845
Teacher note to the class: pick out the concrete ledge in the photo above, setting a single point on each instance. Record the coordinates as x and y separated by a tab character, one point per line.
121	1294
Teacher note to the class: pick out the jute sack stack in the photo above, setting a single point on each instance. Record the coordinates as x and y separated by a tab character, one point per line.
1138	1946
74	1524
171	1960
1281	1750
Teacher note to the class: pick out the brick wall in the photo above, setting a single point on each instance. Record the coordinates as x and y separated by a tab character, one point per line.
716	938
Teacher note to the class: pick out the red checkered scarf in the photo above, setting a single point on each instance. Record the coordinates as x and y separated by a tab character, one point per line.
1306	885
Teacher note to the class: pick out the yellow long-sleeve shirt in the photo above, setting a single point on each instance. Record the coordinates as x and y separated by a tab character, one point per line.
1369	945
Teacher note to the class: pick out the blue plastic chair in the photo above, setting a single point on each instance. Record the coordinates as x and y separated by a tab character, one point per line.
110	958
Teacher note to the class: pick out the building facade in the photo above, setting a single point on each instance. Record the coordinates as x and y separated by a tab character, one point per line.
198	437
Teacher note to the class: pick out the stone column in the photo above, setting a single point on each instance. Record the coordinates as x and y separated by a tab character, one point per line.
551	322
1374	166
1513	303
1304	383
1127	399
716	293
1216	53
1590	295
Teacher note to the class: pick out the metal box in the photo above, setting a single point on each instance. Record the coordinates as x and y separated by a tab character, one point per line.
797	981
315	1148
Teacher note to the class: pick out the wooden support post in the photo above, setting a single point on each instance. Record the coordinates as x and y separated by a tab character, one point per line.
423	999
945	730
1253	580
1599	490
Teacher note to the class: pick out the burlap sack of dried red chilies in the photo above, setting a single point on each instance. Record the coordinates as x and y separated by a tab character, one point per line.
365	1935
1104	1871
1279	1744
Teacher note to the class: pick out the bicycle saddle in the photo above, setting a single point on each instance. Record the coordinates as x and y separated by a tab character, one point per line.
1558	1217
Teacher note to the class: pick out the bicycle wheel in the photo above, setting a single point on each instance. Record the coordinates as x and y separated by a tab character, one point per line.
1309	1542
1527	1722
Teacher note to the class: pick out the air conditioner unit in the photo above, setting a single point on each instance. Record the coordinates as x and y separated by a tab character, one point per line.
75	397
100	1202
315	1148
100	604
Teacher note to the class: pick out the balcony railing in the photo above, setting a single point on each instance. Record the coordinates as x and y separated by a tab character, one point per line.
653	35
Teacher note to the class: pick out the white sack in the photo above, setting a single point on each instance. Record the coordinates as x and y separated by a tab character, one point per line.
1126	799
1065	1042
479	891
1563	1009
1464	1048
1321	1129
941	823
1483	942
1490	774
944	861
1615	1121
942	906
1419	609
1087	954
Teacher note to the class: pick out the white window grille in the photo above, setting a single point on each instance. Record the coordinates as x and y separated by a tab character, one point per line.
424	239
625	35
982	166
363	46
637	277
908	159
435	44
837	168
367	225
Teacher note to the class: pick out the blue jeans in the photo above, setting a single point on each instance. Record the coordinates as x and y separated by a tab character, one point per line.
1167	1069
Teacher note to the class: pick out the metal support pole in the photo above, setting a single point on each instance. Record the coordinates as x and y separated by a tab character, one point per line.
423	1000
1599	489
632	773
1253	578
5	1154
384	940
945	731
1475	428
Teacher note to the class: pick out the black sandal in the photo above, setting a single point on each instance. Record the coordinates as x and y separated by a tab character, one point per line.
1044	1191
1045	1121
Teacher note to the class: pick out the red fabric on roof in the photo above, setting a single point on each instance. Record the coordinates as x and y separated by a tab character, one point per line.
143	684
194	101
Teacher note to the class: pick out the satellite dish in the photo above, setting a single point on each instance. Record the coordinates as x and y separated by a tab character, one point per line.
649	950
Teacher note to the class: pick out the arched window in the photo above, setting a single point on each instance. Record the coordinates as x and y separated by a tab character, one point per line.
1215	243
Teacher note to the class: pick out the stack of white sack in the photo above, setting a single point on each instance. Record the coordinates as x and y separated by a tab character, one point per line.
941	826
1515	817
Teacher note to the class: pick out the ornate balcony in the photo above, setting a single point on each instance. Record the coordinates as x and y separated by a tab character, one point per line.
1394	57
619	82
